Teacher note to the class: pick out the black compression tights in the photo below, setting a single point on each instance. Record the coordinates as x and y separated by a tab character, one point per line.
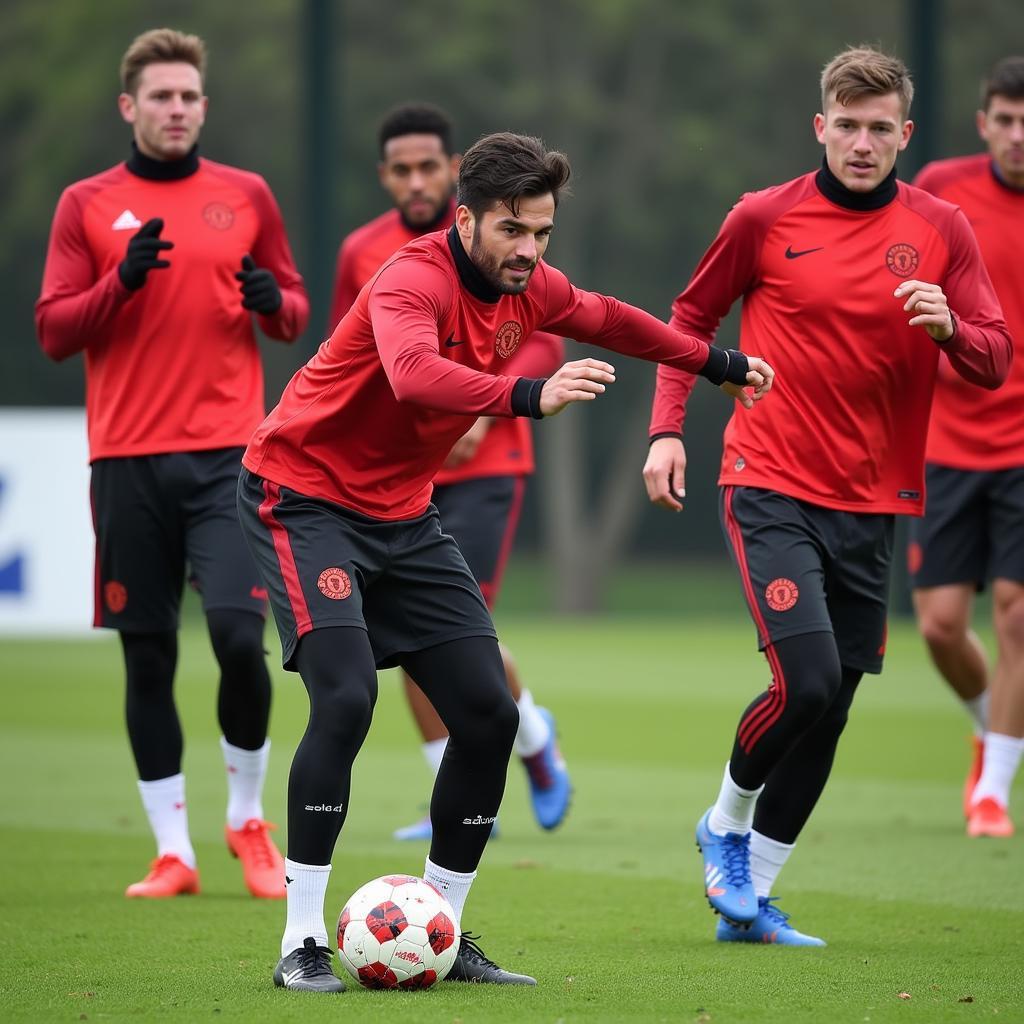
243	700
464	680
788	735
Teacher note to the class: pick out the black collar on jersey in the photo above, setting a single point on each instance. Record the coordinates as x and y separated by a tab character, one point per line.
469	274
1002	182
162	170
836	192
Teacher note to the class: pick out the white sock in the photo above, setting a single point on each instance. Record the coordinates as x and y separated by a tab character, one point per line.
1002	757
306	888
433	751
164	801
734	808
767	858
534	730
246	771
453	885
977	708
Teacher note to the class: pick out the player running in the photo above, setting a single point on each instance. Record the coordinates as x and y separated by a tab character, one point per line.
335	503
853	283
973	527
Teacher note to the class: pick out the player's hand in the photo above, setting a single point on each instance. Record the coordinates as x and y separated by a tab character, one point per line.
143	254
928	303
760	377
665	473
579	381
260	292
465	448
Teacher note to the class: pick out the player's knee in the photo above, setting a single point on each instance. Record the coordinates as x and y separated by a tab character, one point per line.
1009	624
149	660
490	728
237	640
810	674
942	631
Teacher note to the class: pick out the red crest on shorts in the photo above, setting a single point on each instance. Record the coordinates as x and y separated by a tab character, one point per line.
902	259
115	596
219	216
781	594
334	583
506	341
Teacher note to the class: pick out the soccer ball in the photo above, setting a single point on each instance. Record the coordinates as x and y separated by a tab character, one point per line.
397	932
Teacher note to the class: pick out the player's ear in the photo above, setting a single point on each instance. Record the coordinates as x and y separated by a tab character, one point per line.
465	222
126	106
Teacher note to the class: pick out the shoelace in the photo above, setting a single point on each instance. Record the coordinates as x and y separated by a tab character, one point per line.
257	838
779	917
736	858
538	769
473	952
314	959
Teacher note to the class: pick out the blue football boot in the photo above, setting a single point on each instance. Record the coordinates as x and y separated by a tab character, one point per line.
770	926
423	831
550	788
727	882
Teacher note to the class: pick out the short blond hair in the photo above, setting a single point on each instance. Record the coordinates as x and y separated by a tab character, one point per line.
161	46
864	71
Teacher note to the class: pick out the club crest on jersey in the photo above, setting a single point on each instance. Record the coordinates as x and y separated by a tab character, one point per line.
902	259
219	216
506	341
334	584
781	594
115	595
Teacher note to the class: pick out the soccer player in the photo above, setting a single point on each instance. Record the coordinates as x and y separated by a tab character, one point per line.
335	502
853	283
973	527
155	270
478	491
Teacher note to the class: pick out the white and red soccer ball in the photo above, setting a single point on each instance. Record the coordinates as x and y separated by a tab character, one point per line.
398	932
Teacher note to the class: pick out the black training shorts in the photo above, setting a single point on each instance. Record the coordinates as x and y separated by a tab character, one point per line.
482	515
156	514
404	582
807	569
972	530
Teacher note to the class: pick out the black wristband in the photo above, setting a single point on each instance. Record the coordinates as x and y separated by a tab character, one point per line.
725	364
676	435
526	397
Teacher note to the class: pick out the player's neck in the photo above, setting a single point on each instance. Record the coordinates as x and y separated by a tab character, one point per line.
836	192
162	170
1002	180
472	280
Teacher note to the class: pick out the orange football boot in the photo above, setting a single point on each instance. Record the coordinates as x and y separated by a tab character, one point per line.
262	863
989	818
977	759
168	876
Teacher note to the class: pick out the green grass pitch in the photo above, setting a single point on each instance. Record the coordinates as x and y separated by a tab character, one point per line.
608	912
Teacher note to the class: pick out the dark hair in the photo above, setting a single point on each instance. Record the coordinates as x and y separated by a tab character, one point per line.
1005	79
502	168
161	46
864	71
416	119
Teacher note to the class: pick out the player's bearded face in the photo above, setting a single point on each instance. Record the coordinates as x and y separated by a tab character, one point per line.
507	247
862	139
420	177
166	111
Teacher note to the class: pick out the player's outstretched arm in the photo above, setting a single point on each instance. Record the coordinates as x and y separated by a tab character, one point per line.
579	381
665	473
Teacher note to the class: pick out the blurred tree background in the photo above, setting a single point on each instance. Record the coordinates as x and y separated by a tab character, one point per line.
668	111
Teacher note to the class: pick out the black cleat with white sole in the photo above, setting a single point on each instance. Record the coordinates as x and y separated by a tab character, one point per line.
472	965
308	969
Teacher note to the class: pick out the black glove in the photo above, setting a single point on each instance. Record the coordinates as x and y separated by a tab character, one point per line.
142	254
259	288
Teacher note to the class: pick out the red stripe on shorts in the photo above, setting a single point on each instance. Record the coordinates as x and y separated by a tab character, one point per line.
490	588
754	726
285	558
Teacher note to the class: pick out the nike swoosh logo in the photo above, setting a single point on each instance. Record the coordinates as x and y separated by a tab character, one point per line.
450	341
790	255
